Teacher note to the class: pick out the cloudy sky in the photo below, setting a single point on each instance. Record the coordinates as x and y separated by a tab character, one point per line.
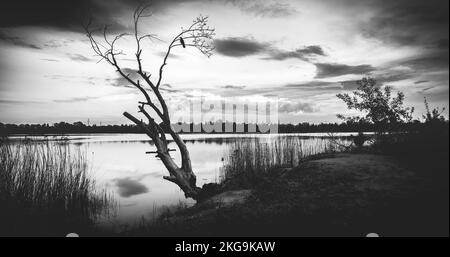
300	52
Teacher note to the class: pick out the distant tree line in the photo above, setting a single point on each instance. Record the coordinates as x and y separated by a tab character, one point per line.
305	127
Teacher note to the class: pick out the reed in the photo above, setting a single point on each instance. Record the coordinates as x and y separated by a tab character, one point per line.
249	159
45	189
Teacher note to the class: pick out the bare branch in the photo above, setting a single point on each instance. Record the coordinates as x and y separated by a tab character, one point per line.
198	35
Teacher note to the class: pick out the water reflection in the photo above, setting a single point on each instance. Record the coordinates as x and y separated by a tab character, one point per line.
119	163
129	186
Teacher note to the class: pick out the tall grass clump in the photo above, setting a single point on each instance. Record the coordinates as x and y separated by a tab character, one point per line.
250	158
45	190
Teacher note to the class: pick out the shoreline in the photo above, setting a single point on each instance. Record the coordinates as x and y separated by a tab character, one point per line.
342	194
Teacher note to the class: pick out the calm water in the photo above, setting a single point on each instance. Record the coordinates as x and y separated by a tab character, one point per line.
118	162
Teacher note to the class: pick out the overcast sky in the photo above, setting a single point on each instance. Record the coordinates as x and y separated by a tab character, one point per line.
301	52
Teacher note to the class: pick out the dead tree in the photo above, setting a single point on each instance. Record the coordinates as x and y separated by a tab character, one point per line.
198	35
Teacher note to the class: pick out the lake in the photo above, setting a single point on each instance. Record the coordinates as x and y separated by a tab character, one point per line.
119	163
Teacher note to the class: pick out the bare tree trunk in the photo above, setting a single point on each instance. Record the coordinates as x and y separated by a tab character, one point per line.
184	177
197	35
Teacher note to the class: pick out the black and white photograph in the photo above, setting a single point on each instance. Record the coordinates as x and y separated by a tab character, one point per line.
224	119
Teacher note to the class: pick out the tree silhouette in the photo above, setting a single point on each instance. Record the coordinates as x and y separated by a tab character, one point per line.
377	104
434	115
198	35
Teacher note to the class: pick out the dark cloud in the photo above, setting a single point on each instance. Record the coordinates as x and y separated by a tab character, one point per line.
442	44
324	85
239	47
66	15
296	108
70	14
314	49
423	91
17	41
325	70
120	81
315	85
393	76
168	88
265	8
386	77
428	59
407	22
434	61
305	53
423	24
233	87
421	81
417	23
382	79
128	187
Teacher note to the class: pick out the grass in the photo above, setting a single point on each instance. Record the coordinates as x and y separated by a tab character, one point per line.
251	159
45	190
